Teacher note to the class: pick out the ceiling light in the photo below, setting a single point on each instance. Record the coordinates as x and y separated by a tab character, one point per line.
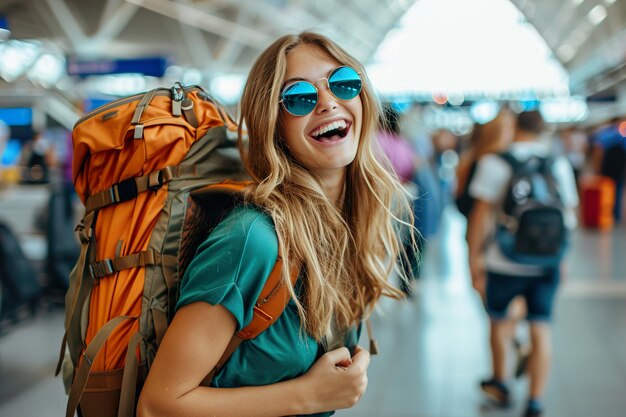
121	84
227	88
192	76
566	52
597	14
577	2
456	98
16	57
483	111
564	110
47	70
579	35
609	2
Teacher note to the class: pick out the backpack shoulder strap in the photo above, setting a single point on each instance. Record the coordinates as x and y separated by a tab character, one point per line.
270	305
274	295
547	164
511	160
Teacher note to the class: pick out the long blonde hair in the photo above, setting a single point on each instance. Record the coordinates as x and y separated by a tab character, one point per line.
346	254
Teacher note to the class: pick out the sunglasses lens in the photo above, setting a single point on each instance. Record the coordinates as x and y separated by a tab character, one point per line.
345	83
299	98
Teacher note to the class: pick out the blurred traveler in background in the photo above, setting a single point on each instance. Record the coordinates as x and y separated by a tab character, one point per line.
492	137
428	207
573	144
38	157
609	156
395	146
403	161
501	182
311	117
446	146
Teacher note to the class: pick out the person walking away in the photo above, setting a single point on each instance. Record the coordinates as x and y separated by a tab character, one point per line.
502	279
493	137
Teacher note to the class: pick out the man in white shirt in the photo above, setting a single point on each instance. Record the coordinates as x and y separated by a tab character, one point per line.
498	279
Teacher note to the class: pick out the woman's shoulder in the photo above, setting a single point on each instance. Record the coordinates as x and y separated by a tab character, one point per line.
249	216
251	226
231	266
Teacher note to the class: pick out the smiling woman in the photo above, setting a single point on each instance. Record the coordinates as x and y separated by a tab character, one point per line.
318	189
326	138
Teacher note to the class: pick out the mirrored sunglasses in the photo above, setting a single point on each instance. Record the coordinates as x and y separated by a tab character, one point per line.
300	98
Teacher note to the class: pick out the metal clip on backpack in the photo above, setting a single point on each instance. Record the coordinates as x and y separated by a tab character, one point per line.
150	170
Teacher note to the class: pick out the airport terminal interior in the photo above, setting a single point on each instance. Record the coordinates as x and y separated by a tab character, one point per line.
449	71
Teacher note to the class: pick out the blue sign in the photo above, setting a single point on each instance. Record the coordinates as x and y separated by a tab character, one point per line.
90	104
20	116
154	67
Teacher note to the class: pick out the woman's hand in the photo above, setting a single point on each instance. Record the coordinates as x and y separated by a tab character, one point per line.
337	380
195	341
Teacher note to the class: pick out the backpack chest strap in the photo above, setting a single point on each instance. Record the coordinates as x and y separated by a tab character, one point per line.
106	267
130	188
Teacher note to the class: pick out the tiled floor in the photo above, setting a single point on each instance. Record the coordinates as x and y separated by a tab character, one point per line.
434	347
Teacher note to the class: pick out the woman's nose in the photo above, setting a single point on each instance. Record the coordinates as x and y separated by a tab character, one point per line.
326	101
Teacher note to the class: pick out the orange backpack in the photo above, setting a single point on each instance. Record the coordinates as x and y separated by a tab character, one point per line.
150	170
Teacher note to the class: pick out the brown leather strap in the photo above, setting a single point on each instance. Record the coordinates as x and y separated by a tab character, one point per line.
234	343
130	188
273	296
373	342
269	306
271	303
272	300
129	380
106	267
82	373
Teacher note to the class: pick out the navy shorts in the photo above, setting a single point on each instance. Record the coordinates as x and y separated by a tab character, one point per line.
538	292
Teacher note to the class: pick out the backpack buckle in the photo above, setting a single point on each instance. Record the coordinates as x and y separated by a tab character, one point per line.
124	191
102	268
155	180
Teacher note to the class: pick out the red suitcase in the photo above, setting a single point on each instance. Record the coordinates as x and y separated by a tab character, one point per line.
597	201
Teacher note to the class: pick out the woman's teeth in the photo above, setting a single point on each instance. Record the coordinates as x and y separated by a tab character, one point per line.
336	125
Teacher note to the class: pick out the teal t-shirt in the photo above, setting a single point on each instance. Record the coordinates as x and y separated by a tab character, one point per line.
230	268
